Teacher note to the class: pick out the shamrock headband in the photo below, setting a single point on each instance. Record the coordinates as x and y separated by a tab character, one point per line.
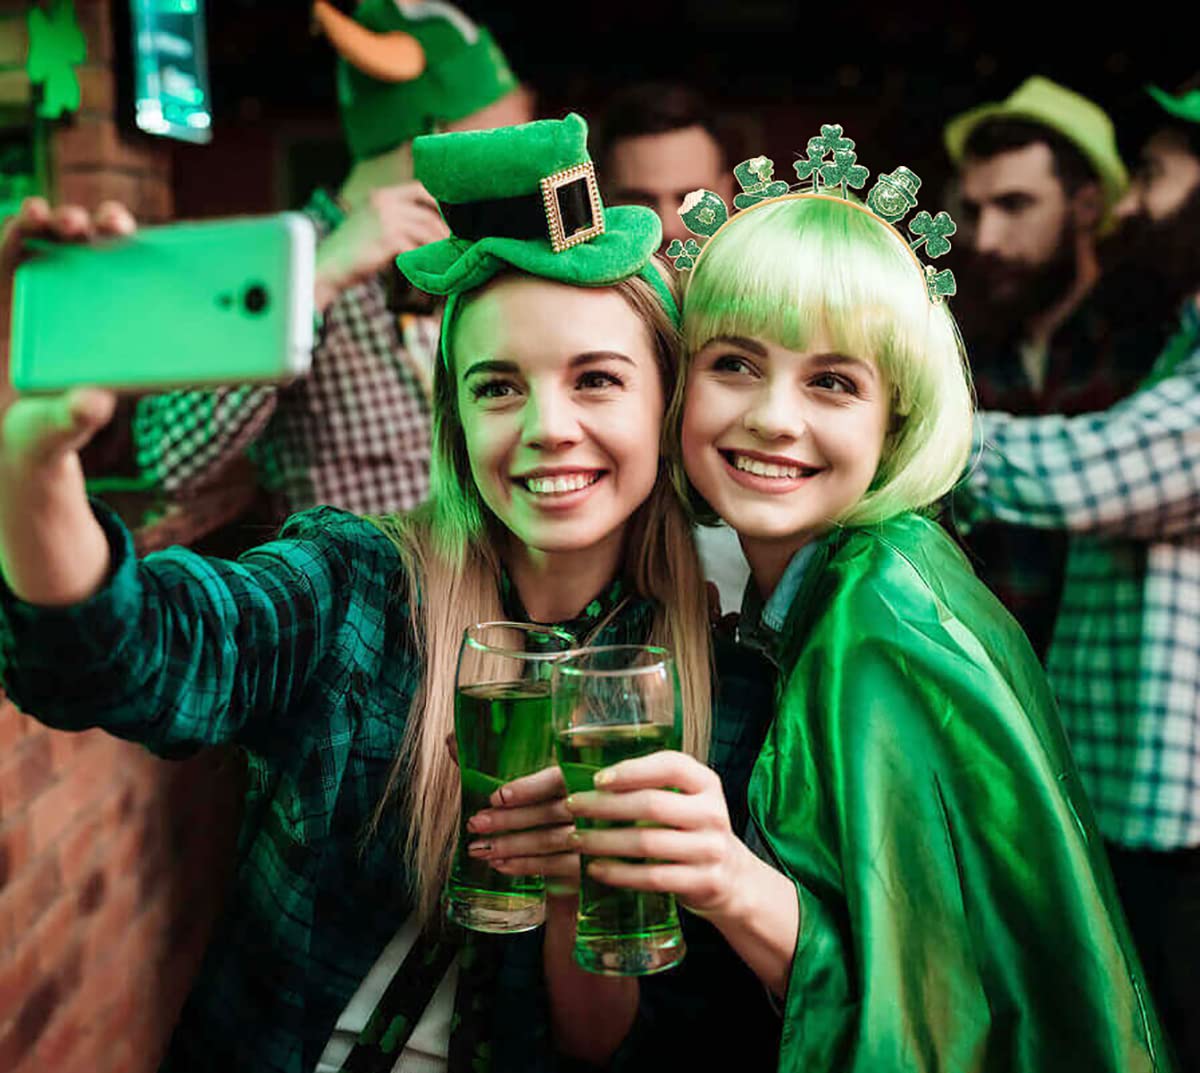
892	197
525	198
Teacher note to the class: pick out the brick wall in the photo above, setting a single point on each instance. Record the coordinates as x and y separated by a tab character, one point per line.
111	867
112	863
92	156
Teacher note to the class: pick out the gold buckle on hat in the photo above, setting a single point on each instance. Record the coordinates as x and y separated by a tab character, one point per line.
552	186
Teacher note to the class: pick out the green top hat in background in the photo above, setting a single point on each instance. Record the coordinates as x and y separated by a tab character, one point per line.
464	71
526	198
1081	121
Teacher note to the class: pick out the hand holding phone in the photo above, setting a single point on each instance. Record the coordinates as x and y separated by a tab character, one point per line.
52	551
183	305
37	430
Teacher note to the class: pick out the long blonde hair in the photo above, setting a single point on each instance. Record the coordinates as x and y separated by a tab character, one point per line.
452	569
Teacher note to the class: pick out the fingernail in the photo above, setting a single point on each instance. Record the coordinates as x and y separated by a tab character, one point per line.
481	821
479	849
569	801
573	839
605	777
497	798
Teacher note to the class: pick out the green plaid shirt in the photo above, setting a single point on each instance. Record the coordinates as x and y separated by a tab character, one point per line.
301	653
1125	656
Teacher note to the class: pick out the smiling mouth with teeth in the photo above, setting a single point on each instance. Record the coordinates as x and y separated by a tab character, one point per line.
559	485
767	469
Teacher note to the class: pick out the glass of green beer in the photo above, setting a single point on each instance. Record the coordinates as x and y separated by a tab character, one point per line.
610	704
503	731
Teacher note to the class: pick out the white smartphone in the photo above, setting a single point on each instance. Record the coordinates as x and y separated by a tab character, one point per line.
182	305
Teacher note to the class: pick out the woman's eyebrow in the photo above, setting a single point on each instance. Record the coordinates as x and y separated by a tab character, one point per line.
834	358
753	345
593	356
490	365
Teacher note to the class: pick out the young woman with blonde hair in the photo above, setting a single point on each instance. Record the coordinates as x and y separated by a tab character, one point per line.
329	654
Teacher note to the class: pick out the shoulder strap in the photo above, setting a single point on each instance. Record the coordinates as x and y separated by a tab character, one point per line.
390	1025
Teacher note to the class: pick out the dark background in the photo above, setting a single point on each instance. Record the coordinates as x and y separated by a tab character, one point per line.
892	74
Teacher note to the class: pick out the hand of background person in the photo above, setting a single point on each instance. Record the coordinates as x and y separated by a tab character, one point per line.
39	430
683	829
391	220
528	831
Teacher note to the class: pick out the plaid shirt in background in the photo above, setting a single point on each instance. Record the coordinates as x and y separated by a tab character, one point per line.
352	433
301	653
1125	658
1092	362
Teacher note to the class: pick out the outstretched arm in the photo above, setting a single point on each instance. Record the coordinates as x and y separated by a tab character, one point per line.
52	550
1133	470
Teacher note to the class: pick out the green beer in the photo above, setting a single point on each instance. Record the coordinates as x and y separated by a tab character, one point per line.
503	732
618	932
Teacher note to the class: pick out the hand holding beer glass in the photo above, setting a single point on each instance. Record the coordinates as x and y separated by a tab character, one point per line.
611	704
502	729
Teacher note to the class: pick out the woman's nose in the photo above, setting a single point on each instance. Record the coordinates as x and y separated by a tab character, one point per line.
550	421
774	414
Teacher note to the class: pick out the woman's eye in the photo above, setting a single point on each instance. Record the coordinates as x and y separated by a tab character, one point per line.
598	378
731	363
834	382
491	389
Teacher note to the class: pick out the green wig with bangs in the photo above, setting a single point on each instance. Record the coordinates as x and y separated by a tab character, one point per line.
802	266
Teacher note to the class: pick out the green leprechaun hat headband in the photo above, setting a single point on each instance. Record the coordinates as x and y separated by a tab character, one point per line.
830	169
526	198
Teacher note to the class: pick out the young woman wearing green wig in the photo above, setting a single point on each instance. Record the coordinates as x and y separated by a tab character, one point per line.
929	891
329	653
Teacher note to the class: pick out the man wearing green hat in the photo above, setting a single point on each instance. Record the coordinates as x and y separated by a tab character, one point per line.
1039	174
1125	656
355	431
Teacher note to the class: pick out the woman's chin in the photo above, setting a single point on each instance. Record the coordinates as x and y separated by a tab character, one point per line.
562	539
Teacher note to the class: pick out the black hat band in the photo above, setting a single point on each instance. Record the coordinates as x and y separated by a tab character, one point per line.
567	210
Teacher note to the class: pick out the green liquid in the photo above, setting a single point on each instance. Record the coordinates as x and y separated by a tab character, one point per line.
503	732
622	932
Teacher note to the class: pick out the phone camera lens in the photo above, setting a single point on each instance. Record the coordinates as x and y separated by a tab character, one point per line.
255	299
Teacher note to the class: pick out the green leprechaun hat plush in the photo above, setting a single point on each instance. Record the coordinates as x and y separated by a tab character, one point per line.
526	198
403	70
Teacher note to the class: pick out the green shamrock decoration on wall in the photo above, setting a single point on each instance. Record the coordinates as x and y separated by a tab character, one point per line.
845	171
933	232
56	47
684	254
